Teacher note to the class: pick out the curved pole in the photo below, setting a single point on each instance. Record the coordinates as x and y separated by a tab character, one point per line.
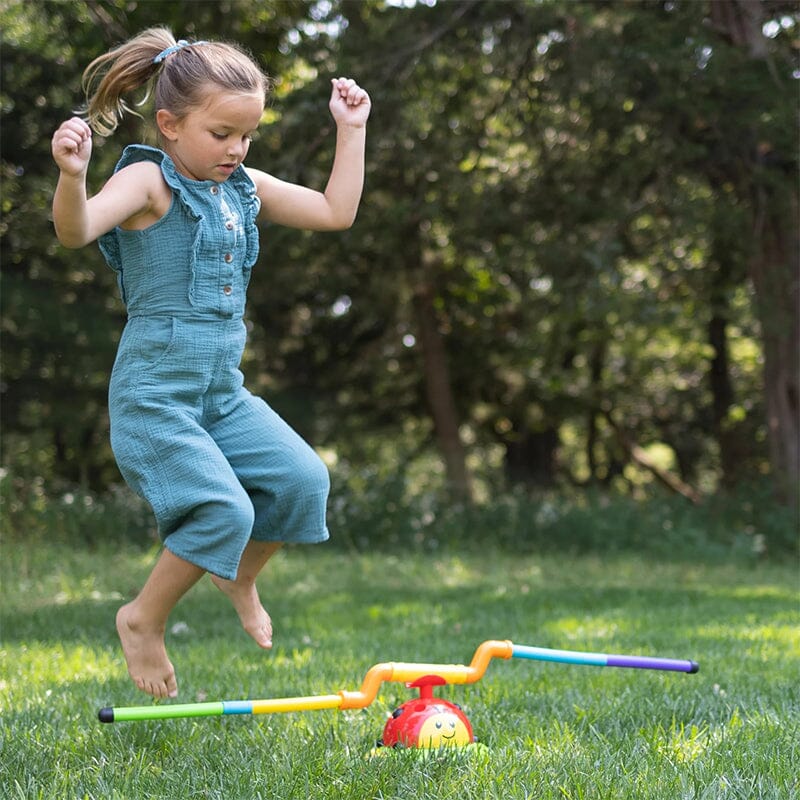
394	671
452	673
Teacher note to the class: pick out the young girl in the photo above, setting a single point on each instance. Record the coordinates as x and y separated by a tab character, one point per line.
228	480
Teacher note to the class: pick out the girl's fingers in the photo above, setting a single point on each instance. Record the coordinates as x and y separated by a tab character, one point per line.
349	91
71	136
75	128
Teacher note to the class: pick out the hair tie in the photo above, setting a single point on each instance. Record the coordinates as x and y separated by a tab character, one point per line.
179	45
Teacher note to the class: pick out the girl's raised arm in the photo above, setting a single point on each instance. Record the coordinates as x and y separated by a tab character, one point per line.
335	208
79	220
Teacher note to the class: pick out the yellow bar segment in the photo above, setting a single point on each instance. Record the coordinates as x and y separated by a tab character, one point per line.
452	673
282	704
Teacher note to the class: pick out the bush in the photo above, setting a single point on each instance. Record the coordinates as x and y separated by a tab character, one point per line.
31	510
371	508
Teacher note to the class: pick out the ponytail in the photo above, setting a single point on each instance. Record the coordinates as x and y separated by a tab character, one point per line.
120	72
176	73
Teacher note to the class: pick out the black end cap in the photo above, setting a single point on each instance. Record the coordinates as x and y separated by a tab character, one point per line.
695	667
106	715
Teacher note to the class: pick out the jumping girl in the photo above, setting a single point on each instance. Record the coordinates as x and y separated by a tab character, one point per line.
228	480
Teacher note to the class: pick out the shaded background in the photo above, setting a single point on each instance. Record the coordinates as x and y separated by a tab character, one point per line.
575	267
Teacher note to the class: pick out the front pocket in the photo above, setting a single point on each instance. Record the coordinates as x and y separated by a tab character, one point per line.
156	337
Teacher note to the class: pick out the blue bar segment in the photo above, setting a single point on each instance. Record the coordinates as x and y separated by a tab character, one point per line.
559	656
237	706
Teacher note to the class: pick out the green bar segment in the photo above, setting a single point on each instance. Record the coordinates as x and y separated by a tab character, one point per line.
168	712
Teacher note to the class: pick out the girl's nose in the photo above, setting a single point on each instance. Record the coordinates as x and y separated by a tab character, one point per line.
235	150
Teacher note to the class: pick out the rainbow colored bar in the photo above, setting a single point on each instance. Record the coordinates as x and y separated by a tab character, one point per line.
220	709
394	671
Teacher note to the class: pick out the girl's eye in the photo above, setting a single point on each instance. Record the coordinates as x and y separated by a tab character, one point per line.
219	136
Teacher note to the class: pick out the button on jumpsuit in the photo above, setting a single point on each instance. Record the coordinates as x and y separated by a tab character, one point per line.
217	465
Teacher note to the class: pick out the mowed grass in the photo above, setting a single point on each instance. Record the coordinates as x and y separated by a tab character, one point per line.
550	730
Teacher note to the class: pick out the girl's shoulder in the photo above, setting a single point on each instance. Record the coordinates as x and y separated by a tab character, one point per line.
141	164
142	178
146	161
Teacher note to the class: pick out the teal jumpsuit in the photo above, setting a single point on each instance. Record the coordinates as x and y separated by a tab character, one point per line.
217	465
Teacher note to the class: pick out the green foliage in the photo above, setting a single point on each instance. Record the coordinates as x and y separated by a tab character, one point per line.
551	731
574	184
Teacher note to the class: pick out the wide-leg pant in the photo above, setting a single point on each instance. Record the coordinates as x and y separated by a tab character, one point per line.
217	465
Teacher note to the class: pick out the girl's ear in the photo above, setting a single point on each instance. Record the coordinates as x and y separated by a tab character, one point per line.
168	124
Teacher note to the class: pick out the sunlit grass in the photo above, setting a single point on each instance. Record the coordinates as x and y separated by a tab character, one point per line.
551	731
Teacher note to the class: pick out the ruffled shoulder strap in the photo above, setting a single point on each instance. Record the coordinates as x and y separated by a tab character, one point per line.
132	154
135	153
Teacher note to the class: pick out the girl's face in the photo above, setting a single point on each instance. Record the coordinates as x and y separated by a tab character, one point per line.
212	140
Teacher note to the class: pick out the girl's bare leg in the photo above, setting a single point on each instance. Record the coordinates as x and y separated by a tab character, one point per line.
244	595
141	624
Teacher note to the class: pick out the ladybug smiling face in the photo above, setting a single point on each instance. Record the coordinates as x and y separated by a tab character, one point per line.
442	728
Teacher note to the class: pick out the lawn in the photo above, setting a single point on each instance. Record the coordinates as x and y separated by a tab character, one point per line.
550	730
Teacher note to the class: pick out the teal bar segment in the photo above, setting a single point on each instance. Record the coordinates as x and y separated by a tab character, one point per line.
559	656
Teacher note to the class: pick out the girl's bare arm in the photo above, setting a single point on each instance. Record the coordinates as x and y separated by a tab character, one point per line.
334	209
78	219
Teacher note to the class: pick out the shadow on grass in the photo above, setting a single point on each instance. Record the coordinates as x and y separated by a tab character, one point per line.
422	614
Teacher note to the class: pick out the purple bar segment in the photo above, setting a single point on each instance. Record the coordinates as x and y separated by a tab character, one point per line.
646	662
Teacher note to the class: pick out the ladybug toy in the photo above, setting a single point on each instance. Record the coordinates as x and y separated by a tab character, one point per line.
426	721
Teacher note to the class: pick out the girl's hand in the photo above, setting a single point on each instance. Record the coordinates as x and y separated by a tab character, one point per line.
350	104
72	147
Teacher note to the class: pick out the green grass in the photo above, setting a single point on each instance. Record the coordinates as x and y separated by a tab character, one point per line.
552	731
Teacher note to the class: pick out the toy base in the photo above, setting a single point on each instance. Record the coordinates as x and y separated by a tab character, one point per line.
448	751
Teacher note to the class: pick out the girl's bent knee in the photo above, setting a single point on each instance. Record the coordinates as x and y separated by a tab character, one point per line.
314	478
239	514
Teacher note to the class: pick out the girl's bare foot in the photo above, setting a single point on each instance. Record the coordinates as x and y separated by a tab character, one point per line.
146	655
252	614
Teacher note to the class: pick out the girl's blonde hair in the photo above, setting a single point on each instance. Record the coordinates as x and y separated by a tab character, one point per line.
178	83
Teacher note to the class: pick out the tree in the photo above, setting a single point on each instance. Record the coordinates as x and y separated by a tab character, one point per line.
763	171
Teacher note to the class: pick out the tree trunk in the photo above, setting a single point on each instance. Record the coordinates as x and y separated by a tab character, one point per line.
770	188
775	271
439	394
